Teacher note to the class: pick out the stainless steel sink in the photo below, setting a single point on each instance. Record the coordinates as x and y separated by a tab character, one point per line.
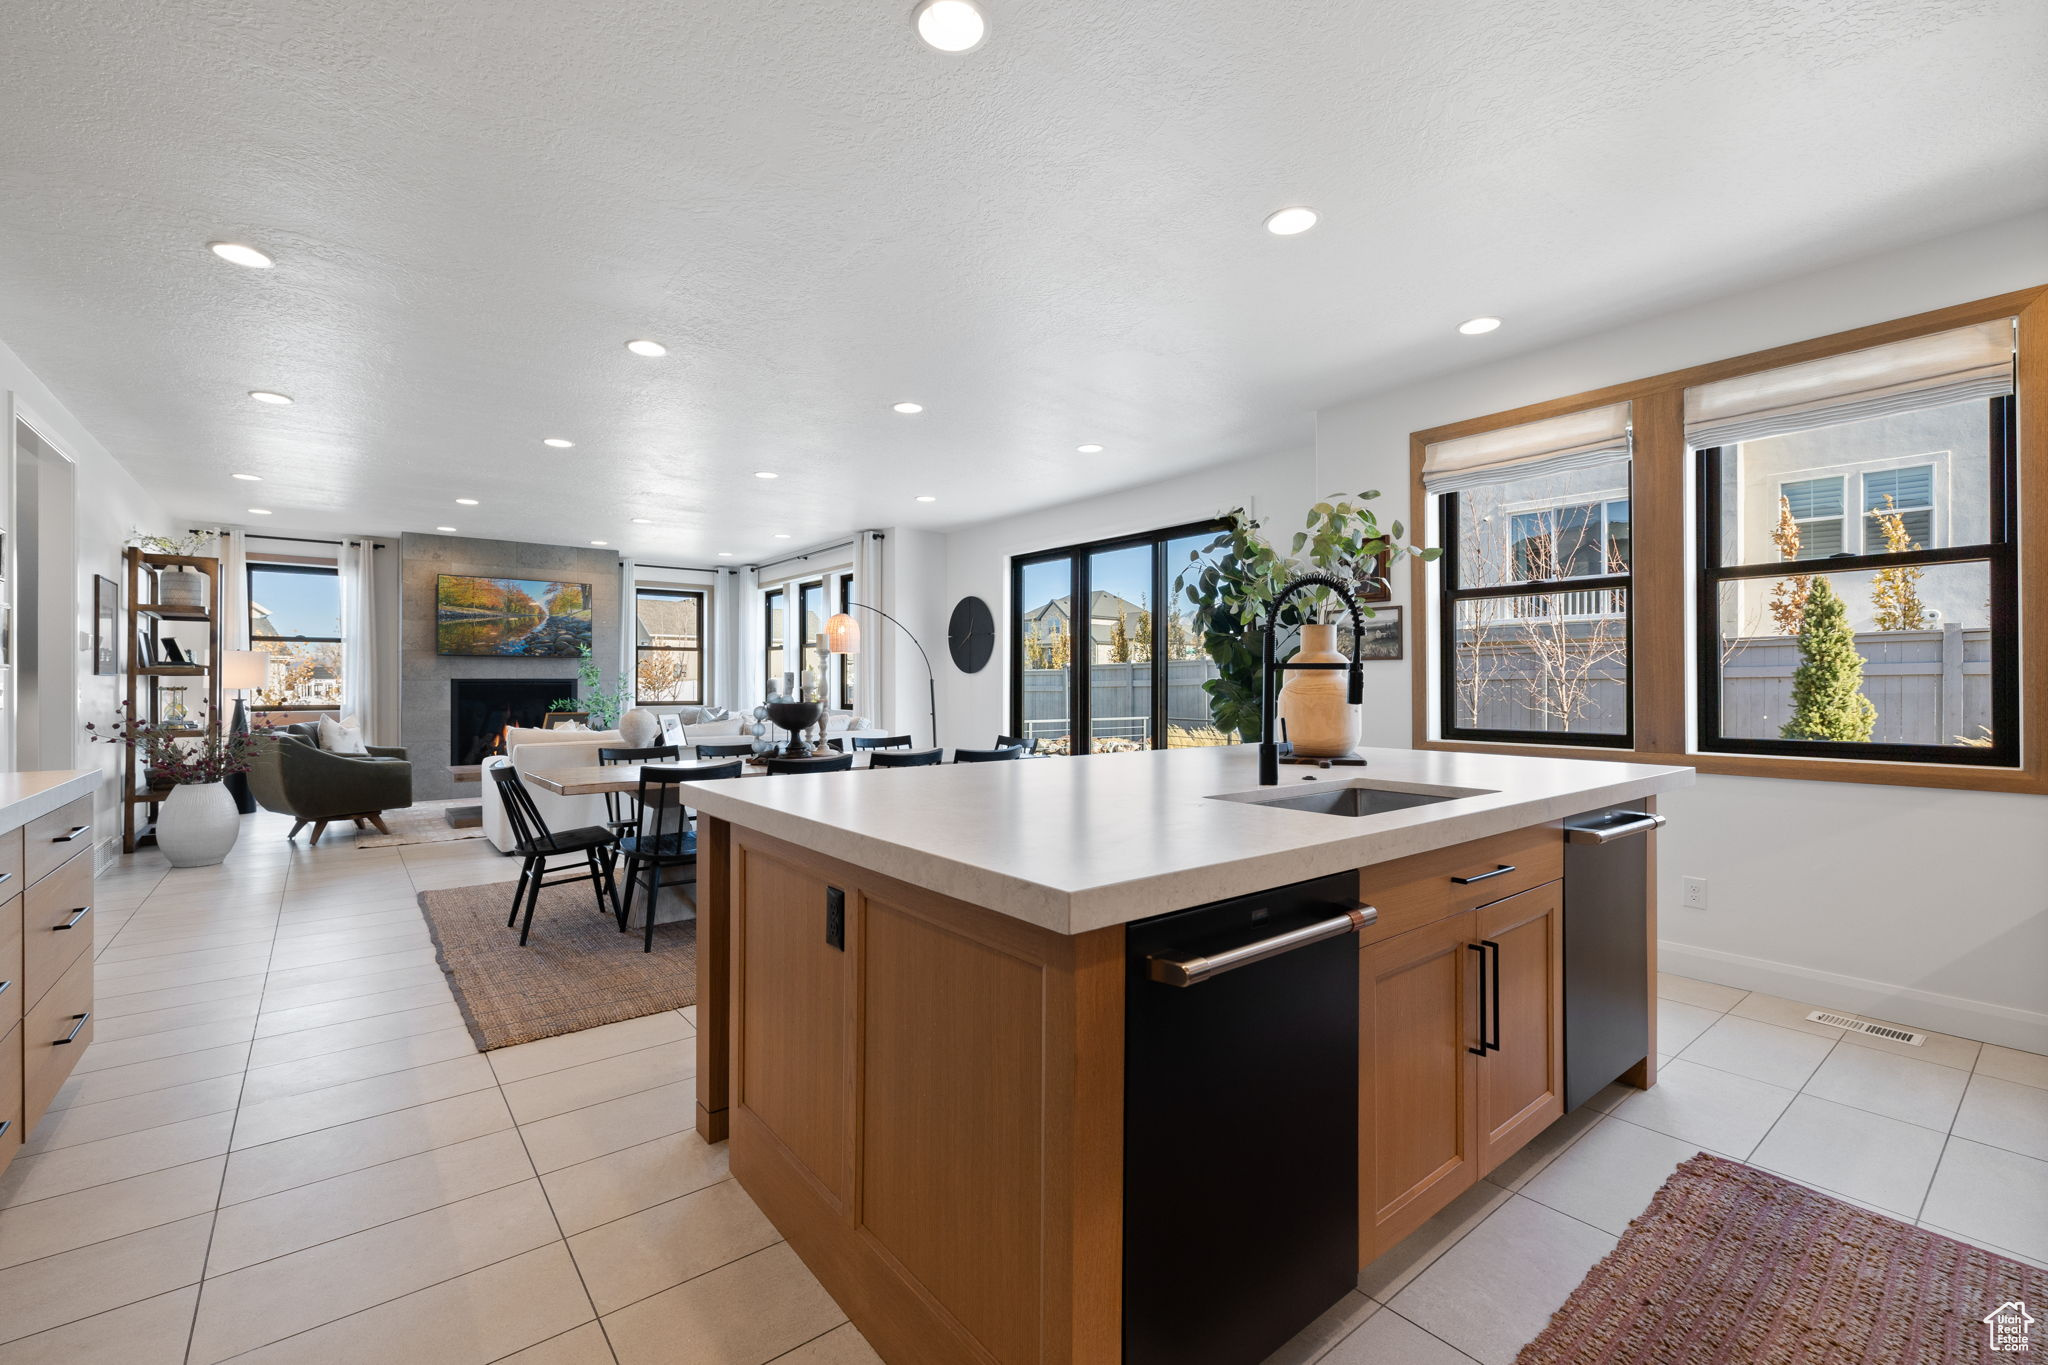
1350	798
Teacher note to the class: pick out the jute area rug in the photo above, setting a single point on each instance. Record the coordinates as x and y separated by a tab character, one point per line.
576	971
424	823
1734	1266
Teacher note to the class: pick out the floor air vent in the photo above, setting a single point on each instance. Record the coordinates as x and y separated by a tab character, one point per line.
1855	1025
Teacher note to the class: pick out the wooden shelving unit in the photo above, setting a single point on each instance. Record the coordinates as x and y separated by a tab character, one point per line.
147	681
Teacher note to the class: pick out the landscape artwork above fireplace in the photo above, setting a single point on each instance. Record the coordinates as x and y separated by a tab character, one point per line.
511	617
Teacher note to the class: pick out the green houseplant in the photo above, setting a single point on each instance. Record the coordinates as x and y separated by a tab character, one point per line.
1340	536
604	707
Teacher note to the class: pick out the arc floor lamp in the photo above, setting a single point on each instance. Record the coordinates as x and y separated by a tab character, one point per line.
842	636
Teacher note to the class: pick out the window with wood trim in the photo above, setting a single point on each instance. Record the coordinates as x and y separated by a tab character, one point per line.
1830	551
1882	645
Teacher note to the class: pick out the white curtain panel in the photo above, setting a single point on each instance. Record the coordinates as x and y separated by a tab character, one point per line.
872	697
359	642
1921	372
629	624
234	590
1576	440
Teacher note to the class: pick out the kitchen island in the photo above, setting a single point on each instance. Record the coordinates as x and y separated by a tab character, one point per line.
916	999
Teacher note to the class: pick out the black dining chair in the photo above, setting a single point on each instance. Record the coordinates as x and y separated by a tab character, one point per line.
881	742
662	837
1029	746
830	763
618	806
986	755
924	758
533	841
726	748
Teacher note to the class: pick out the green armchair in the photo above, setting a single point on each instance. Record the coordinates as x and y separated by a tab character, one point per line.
291	774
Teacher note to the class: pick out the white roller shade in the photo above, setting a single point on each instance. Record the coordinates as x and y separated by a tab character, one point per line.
1573	441
1925	372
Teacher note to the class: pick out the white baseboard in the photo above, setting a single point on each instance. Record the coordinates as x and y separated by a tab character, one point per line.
2006	1025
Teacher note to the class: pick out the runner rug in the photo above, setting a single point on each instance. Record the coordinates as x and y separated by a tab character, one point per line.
576	971
1734	1266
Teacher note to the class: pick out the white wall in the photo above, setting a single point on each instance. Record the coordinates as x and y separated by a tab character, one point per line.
110	504
974	708
1925	906
916	591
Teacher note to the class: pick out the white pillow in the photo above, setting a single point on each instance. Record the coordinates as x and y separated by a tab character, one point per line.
714	729
343	736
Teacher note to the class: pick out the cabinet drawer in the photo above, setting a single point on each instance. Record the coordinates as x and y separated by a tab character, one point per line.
54	931
10	1096
13	995
11	880
51	839
1411	892
54	1036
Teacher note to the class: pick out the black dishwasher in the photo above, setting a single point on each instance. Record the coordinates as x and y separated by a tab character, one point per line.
1240	1122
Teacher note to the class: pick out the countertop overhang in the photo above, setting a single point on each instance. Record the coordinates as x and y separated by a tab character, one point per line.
1075	844
24	796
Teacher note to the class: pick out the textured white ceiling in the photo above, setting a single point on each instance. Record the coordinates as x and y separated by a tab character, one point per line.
1050	241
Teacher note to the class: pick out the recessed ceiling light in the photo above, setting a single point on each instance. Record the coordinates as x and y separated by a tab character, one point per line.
466	502
1473	327
766	474
1089	450
782	535
266	396
643	521
600	542
259	511
557	442
239	253
725	554
444	528
926	497
908	409
247	478
950	25
642	346
1290	222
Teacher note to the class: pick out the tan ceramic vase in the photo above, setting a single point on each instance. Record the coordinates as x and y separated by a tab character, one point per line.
1320	722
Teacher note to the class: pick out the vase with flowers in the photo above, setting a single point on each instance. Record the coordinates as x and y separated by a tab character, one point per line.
196	823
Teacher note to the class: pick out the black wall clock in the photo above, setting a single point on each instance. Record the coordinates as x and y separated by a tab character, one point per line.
971	635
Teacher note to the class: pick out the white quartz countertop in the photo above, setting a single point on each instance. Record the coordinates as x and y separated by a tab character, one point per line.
1073	844
24	796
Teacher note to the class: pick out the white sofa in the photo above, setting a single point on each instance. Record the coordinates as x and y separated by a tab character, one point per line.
535	751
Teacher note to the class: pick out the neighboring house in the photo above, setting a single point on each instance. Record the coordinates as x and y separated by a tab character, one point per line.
1054	621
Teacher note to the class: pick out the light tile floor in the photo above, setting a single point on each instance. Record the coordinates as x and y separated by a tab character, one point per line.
282	1146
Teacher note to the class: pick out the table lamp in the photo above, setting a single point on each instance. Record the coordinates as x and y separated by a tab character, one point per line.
241	671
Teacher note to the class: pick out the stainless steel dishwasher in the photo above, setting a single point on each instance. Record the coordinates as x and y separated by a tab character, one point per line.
1240	1122
1606	948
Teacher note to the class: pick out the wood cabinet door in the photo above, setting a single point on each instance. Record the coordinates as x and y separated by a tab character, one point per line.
1418	1016
1521	1082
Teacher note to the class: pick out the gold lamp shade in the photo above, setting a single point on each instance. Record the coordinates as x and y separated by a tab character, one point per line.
842	635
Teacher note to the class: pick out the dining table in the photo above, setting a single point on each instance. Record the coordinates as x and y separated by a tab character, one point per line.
625	777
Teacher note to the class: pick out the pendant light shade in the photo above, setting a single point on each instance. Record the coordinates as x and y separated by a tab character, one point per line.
842	635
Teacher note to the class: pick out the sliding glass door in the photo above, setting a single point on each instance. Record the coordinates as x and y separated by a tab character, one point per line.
1105	657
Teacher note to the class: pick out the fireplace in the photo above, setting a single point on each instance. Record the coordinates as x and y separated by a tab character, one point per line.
479	709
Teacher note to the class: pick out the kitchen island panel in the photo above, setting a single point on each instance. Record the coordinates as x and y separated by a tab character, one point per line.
979	1217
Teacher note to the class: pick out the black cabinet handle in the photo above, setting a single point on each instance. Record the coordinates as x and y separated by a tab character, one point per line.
6	876
5	1124
76	915
4	986
76	830
1493	949
81	1018
1480	1051
1500	871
